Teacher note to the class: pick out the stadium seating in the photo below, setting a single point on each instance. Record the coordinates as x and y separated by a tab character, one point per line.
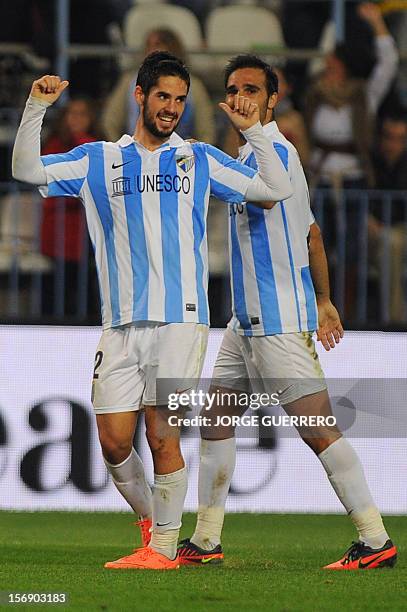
142	18
244	28
19	223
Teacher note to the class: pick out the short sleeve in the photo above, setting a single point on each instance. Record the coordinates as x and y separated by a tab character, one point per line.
65	172
229	178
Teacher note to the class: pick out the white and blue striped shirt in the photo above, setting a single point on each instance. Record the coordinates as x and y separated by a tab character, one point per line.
272	290
146	213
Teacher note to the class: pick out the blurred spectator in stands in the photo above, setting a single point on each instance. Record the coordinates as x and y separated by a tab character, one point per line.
306	24
121	110
389	159
63	232
390	156
289	120
395	14
302	23
339	107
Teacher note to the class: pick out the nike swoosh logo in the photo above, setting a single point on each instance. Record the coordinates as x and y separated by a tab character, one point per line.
207	559
115	166
163	524
364	565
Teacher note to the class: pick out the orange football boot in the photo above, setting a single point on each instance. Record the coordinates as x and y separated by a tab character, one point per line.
360	557
145	531
144	558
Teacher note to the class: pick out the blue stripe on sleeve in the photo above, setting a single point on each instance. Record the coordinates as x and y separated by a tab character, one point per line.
281	151
238	286
98	188
170	243
251	161
263	265
199	228
226	193
69	187
229	162
60	158
312	316
137	238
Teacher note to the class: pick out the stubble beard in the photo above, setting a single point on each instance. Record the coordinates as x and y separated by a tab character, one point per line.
150	125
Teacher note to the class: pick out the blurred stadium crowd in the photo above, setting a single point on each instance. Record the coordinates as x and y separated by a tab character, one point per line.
342	104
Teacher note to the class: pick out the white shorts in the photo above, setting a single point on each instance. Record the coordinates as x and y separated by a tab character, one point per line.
286	364
131	359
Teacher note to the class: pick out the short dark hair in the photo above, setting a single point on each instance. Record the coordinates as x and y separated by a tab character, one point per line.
158	64
253	61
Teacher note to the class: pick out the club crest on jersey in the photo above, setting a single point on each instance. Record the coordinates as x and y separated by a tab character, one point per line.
121	186
185	162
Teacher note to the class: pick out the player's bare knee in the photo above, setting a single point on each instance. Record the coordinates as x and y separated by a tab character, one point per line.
115	450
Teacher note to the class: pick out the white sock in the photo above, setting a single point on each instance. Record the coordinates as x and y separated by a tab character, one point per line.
218	459
168	503
130	480
346	475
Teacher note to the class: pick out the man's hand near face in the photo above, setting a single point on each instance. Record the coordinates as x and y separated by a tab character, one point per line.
243	114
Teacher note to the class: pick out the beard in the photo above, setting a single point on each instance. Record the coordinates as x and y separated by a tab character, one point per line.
151	126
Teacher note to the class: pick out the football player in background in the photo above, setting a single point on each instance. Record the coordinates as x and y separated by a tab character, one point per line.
280	297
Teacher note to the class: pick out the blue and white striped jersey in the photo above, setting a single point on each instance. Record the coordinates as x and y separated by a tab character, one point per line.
272	290
146	213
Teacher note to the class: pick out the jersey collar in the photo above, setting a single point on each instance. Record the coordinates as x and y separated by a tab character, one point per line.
173	141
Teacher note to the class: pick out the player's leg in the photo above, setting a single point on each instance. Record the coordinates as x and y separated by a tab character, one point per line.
117	390
180	356
217	454
337	456
216	467
346	475
170	480
116	433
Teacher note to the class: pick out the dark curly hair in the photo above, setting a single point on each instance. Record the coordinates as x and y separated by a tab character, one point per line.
158	64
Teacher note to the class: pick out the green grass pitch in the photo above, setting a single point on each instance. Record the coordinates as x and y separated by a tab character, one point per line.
272	563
